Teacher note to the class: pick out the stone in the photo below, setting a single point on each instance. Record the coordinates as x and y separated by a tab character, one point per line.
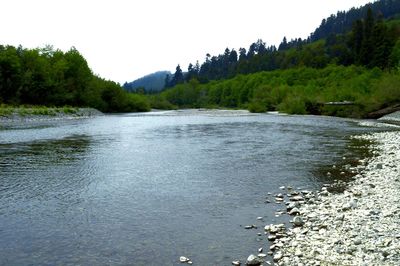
294	211
340	217
253	260
292	205
297	198
253	226
236	262
298	253
183	259
277	257
298	221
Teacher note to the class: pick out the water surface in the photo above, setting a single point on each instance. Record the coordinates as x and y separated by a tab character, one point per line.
144	189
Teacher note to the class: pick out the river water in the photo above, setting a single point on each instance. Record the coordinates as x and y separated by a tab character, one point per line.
145	189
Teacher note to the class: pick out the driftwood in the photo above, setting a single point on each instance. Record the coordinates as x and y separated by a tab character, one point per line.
383	112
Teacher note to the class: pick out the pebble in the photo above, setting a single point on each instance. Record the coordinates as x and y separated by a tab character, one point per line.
298	221
277	257
184	259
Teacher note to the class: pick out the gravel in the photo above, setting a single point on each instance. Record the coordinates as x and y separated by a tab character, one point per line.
358	227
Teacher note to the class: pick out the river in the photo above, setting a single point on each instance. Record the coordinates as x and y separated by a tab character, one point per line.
145	189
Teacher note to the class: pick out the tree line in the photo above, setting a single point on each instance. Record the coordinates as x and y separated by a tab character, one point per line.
343	21
370	42
301	90
45	76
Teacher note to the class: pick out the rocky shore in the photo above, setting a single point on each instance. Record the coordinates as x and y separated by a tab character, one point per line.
360	226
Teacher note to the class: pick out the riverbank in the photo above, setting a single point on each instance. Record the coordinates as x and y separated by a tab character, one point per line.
358	227
25	114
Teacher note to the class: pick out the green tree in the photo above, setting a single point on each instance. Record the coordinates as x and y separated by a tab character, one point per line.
10	74
367	47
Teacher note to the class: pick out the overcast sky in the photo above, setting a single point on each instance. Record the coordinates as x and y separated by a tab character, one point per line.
125	39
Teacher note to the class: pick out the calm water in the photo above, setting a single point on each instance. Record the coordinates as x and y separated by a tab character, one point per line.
146	189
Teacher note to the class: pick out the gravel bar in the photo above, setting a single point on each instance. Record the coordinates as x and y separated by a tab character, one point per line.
360	226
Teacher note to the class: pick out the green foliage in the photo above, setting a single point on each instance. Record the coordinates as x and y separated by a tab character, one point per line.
69	110
257	107
296	91
5	110
54	78
42	110
26	110
293	104
160	102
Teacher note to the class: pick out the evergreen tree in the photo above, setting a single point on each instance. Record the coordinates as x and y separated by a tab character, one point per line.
367	47
284	45
178	76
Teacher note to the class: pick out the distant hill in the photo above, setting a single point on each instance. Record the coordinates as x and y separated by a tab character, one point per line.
150	83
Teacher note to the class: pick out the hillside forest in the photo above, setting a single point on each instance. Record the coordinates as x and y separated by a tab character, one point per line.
51	77
352	57
360	66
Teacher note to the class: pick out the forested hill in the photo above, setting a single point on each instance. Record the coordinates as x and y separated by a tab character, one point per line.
369	41
343	21
151	83
360	66
50	77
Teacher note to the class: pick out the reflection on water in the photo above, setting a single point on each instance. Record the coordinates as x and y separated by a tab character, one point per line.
144	189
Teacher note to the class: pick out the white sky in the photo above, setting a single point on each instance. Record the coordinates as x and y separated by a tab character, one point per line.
125	39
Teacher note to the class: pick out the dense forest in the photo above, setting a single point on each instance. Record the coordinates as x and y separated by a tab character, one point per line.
369	42
342	22
53	78
360	65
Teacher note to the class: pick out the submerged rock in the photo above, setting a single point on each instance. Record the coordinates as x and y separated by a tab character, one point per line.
253	260
183	259
236	262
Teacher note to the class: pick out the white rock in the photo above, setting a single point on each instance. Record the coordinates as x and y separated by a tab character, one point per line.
183	259
277	257
253	260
